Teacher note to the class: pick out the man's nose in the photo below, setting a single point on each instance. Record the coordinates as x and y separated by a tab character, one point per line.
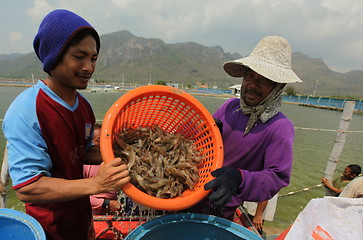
88	66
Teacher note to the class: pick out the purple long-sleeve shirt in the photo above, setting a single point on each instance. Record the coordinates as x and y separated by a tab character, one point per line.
264	155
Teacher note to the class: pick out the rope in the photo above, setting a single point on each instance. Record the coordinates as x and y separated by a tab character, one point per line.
326	130
296	128
302	190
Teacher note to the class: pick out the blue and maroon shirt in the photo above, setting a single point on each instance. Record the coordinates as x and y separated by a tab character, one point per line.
47	137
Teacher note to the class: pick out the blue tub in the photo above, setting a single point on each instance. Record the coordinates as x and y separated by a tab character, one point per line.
19	226
191	226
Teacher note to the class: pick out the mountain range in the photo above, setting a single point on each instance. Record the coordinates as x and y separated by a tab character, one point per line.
127	58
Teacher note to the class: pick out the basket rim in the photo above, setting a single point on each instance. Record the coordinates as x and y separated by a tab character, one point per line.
106	136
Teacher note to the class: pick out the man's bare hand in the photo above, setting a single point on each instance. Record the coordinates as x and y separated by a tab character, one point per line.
112	176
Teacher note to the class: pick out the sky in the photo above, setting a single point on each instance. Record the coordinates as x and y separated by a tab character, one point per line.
327	29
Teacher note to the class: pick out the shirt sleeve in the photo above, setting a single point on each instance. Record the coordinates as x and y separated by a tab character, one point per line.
91	171
96	202
262	185
27	150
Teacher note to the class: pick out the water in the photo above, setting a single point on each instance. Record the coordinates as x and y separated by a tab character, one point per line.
312	149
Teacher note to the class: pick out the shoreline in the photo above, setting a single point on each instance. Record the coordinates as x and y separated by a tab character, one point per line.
192	92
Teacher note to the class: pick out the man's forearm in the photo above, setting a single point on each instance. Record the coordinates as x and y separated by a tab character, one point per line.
261	208
51	190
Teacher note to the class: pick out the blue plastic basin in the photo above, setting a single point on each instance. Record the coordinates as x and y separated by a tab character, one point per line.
20	226
191	226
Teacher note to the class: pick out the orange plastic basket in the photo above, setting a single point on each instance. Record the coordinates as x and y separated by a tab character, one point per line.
174	111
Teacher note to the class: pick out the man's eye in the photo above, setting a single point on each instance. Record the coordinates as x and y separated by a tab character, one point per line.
77	57
94	59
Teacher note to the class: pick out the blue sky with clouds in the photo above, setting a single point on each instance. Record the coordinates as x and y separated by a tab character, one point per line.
327	29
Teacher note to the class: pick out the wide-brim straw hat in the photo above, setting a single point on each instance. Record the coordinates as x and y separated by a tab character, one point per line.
270	58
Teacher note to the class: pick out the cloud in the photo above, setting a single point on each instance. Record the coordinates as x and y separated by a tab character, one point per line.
327	29
15	37
39	9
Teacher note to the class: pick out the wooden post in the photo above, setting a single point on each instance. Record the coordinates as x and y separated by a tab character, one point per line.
4	180
339	142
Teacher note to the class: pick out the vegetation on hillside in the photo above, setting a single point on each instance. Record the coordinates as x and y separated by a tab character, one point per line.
125	58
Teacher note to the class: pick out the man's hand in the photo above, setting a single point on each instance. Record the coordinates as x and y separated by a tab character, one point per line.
325	182
115	206
224	186
112	176
329	186
257	222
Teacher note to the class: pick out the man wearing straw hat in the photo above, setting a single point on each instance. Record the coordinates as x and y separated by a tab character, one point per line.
49	129
257	137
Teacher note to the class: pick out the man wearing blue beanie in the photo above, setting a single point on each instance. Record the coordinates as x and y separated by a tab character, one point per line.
49	129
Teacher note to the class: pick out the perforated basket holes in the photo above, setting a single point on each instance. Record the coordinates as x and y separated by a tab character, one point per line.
173	113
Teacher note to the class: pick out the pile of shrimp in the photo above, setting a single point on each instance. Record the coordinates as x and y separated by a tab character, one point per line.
161	164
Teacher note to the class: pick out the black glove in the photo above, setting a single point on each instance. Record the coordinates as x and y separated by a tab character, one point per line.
224	186
219	124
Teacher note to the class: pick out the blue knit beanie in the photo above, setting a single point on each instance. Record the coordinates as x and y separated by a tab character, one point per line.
55	32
